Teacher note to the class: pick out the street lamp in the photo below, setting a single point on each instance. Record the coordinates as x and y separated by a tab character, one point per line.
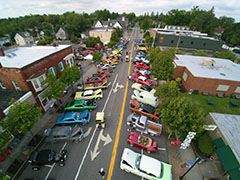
198	159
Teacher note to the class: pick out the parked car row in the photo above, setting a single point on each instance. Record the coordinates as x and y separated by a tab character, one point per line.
142	122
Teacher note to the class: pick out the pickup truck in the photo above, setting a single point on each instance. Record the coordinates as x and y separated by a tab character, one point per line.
144	109
142	124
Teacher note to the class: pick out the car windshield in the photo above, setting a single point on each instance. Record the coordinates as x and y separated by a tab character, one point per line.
146	87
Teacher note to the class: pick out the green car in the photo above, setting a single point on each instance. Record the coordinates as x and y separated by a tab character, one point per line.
81	105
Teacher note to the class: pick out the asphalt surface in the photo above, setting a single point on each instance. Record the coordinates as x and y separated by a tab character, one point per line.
101	148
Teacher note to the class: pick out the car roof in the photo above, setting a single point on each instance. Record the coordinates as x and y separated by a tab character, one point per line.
150	165
88	92
83	114
142	77
62	131
148	108
130	157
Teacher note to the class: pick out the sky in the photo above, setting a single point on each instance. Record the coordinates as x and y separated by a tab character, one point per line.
16	8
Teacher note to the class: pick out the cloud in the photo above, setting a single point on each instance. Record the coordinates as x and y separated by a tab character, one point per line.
13	8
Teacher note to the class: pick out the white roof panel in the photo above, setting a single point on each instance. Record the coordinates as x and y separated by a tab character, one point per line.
150	165
130	156
222	69
230	127
23	56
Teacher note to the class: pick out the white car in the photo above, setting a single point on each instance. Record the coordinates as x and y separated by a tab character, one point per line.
142	88
145	98
145	166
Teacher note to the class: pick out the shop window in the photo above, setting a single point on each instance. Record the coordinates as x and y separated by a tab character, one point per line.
2	85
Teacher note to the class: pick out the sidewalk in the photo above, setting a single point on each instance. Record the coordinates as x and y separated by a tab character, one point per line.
209	169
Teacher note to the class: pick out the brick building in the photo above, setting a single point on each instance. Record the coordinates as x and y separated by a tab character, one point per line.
26	68
208	74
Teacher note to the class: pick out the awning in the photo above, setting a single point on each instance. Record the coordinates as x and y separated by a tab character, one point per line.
219	143
234	174
227	158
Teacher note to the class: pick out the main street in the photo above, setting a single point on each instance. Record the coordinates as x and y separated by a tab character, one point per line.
101	148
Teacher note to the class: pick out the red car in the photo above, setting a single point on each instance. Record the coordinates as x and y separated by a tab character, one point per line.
102	74
141	66
141	80
94	80
143	142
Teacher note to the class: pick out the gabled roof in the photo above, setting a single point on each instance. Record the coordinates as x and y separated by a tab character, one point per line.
24	34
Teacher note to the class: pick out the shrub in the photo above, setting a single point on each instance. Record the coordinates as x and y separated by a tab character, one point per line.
205	144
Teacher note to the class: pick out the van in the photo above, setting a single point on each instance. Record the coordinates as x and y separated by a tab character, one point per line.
145	98
126	58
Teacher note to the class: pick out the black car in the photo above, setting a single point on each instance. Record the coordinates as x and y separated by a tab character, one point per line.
46	156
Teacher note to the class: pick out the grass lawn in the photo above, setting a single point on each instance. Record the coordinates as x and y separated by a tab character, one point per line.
221	105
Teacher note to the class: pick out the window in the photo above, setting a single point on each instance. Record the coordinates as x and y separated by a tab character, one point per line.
181	42
237	90
52	70
61	66
204	44
222	87
184	76
2	85
172	41
39	82
192	43
15	84
69	61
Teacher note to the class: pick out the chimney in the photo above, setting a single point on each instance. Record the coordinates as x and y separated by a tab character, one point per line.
1	52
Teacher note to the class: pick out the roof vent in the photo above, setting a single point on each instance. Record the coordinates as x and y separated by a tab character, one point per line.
209	63
222	74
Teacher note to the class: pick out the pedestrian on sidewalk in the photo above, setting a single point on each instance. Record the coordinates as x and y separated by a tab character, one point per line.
102	173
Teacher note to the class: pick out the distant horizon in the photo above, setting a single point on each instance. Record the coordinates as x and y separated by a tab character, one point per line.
16	9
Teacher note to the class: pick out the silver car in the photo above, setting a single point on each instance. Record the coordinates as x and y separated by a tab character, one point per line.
63	133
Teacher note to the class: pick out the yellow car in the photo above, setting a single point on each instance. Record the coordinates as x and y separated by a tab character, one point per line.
142	88
89	94
142	48
101	85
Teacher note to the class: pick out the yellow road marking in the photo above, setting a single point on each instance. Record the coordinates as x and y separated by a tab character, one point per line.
114	153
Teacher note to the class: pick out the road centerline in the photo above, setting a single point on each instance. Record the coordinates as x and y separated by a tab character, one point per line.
114	152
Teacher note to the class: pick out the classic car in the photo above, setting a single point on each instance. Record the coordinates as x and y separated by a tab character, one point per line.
74	118
89	94
81	105
94	80
101	85
145	166
142	141
142	88
141	66
141	80
63	133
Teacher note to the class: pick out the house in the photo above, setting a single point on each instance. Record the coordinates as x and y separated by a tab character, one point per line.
121	22
4	40
225	135
26	68
85	35
103	34
182	37
62	34
24	39
207	74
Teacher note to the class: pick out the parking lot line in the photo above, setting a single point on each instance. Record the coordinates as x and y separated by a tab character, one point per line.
114	152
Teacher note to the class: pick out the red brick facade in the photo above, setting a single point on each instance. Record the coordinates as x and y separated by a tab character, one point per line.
204	84
22	76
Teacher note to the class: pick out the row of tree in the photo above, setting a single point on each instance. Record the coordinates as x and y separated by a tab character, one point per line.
22	115
197	19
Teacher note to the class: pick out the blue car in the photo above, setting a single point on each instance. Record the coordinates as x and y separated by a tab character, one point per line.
74	117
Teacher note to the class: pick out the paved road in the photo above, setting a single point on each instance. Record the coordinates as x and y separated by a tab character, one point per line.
101	148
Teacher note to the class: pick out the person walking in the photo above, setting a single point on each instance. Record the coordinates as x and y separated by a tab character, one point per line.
102	173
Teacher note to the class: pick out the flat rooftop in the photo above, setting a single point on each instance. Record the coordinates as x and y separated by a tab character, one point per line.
229	125
222	69
23	56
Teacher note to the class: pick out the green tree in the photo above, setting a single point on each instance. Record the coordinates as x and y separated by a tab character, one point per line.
97	56
153	54
70	75
225	55
149	41
54	88
168	90
200	53
74	39
181	116
92	41
162	66
21	116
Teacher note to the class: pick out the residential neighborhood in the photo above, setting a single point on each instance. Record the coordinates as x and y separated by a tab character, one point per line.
110	95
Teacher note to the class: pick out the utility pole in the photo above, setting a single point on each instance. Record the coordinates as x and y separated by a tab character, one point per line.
197	160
